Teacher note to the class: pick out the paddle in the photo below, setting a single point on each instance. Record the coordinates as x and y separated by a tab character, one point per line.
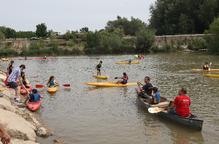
154	110
42	86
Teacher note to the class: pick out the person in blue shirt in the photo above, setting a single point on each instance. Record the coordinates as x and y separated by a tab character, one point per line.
51	82
34	96
156	95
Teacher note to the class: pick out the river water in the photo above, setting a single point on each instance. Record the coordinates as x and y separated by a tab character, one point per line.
88	115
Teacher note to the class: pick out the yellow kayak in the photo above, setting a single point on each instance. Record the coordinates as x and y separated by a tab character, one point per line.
211	75
52	89
110	84
201	70
101	77
127	62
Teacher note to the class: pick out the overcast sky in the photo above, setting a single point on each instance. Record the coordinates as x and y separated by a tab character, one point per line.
63	15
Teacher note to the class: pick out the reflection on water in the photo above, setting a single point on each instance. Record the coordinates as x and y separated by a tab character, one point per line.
88	115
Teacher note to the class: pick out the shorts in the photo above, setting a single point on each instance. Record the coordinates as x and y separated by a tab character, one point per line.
13	85
98	69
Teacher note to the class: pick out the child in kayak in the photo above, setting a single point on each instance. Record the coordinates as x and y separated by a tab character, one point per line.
34	96
51	82
206	66
98	67
156	95
124	79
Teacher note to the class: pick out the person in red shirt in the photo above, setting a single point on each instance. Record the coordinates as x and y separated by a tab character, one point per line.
182	103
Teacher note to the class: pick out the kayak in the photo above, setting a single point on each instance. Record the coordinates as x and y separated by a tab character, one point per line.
33	106
127	62
24	92
211	75
192	122
110	84
100	77
52	89
201	70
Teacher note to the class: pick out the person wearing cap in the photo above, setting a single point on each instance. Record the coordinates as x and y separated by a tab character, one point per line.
13	79
98	67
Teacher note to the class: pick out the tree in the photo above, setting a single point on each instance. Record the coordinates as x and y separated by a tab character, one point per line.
8	32
182	16
2	36
213	40
41	30
84	29
144	40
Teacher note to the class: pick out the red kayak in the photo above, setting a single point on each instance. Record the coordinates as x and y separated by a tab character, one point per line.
24	92
34	106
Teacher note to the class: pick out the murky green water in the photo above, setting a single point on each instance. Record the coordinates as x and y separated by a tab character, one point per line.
86	115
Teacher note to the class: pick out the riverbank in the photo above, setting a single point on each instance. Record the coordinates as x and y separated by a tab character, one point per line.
22	125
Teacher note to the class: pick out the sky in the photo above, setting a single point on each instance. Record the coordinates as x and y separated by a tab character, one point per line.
63	15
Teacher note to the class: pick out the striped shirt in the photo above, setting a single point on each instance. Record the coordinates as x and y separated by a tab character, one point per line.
13	77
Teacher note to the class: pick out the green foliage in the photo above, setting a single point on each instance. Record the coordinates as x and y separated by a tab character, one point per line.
197	44
213	40
183	16
144	40
128	27
70	35
25	34
2	35
8	52
41	30
84	30
8	32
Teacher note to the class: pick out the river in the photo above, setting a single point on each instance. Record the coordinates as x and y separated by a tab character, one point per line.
88	115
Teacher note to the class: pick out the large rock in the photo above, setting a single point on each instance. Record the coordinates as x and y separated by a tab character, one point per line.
6	105
17	126
17	141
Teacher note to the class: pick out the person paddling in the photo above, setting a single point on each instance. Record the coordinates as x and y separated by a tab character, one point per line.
146	89
124	79
51	82
181	104
98	68
206	66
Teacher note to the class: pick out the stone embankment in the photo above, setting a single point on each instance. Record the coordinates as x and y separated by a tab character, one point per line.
19	123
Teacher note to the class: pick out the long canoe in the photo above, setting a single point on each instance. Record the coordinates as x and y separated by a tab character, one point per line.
191	122
127	62
110	84
101	77
211	75
201	70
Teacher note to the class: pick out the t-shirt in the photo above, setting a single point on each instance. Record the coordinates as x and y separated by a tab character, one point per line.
157	97
182	104
13	77
34	97
147	86
98	66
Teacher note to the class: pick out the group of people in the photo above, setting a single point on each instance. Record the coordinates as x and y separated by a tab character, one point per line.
180	105
15	78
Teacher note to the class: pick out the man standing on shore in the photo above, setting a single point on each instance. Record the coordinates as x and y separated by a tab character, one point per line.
13	79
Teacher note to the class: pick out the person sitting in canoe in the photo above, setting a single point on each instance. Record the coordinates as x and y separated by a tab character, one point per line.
156	95
51	82
98	67
34	96
146	90
206	66
24	80
124	79
181	104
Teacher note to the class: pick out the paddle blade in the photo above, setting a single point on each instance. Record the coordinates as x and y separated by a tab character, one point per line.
39	86
66	85
154	110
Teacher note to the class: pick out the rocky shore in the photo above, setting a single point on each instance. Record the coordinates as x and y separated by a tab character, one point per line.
20	123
